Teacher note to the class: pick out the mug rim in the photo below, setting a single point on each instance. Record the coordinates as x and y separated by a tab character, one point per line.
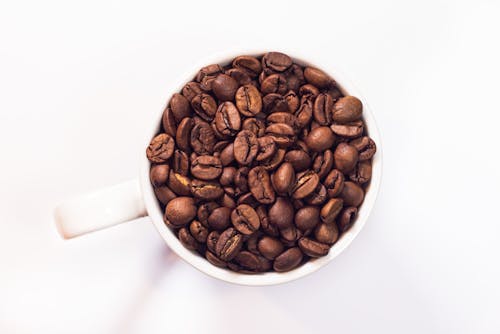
268	278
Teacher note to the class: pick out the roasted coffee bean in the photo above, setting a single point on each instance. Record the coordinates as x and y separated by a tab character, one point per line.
334	183
227	201
320	139
251	242
268	227
313	248
212	240
299	159
227	155
241	77
308	91
318	196
274	103
305	184
352	194
259	183
304	114
215	260
160	149
288	260
292	100
220	145
180	211
202	138
323	163
206	190
275	83
274	161
264	264
205	106
183	134
187	239
227	176
224	87
204	211
254	125
164	194
283	134
229	244
267	148
345	157
248	100
362	173
330	210
246	147
198	231
347	218
180	162
168	122
317	77
326	233
307	218
227	119
245	219
219	218
276	62
248	199
159	175
249	64
179	184
207	75
281	213
295	77
348	130
270	247
247	260
241	179
347	109
180	107
206	167
283	179
322	110
365	146
283	117
191	89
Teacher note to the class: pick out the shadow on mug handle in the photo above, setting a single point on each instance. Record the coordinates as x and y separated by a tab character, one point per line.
100	209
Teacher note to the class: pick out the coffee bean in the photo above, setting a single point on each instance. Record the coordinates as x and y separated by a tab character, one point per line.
219	218
164	194
322	110
305	184
227	201
275	83
268	227
318	196
245	219
180	162
313	248
283	134
257	126
365	146
241	179
179	184
227	155
224	87
227	176
183	134
290	235
270	247
274	161
362	173
292	101
159	175
198	231
206	167
331	210
317	77
180	211
220	145
160	149
281	213
352	194
320	139
288	260
207	75
251	243
276	61
202	138
308	91
326	233
248	260
205	106
259	183
299	159
248	100
246	147
323	163
283	117
346	157
169	123
180	107
241	77
227	119
304	114
334	183
307	218
247	199
267	148
283	179
206	190
348	130
347	218
229	244
187	239
191	89
215	260
249	64
273	102
347	109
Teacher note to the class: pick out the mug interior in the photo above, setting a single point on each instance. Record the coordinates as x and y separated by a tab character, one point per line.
267	278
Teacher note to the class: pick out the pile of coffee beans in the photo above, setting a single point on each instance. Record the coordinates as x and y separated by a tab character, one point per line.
260	165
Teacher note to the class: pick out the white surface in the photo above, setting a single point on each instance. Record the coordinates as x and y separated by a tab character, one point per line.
79	82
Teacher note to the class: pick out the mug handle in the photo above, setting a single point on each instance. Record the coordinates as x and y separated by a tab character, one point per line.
100	209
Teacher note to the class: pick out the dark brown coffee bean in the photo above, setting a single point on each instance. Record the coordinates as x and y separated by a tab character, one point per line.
318	196
274	161
206	167
187	239
227	176
164	194
334	183
317	77
320	139
248	100
241	179
204	211
365	146
207	75
283	179
245	219
299	159
276	61
322	111
191	89
180	162
254	125
313	248
183	134
180	107
220	145
275	83
304	114
259	183
224	87
270	247
206	190
348	130
159	175
205	106
215	260
306	183
198	231
295	77
179	184
229	244
307	218
227	201
362	173
264	264
169	123
289	236
248	260
266	225
347	109
352	194
227	119
283	117
346	218
202	139
267	148
288	260
249	64
219	218
281	213
212	240
180	211
227	155
326	233
160	149
330	210
308	91
323	163
292	100
251	242
283	134
246	147
345	157
241	77
274	103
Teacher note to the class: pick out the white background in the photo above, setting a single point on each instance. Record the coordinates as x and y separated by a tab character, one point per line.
81	81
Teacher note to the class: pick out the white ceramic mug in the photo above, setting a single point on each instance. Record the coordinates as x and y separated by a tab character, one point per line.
136	198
